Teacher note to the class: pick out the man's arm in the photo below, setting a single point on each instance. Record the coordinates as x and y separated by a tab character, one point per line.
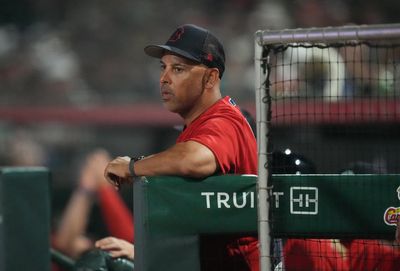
70	236
188	159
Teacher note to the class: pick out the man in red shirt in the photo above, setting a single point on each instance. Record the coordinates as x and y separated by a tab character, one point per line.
216	138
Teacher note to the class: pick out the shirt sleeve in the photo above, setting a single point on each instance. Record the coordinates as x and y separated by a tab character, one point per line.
117	217
220	137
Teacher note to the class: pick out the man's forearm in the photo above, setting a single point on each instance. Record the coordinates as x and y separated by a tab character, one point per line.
189	159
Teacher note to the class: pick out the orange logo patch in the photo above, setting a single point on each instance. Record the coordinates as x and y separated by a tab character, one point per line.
392	214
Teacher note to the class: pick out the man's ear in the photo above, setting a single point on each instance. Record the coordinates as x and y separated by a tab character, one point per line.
211	78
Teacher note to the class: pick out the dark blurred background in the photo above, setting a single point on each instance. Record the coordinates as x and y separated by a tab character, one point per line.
73	75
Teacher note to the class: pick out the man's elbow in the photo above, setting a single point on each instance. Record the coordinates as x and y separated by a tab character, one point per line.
193	170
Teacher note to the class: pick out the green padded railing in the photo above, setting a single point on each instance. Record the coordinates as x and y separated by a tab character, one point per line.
171	212
24	219
334	205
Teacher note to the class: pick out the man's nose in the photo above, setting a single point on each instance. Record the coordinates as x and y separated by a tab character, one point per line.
164	77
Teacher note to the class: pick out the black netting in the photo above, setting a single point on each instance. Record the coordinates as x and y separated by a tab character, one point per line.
333	109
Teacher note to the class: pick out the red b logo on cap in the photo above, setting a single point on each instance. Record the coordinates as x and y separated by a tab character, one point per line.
177	35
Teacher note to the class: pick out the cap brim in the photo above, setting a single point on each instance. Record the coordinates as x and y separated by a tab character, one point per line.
158	51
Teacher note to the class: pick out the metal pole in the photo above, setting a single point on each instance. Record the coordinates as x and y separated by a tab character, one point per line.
262	183
330	34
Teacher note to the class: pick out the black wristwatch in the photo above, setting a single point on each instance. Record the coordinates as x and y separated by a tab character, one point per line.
131	163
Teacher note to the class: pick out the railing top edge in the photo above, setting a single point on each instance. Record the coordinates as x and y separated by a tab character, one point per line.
329	34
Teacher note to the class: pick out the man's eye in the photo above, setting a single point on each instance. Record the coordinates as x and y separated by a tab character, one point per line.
177	69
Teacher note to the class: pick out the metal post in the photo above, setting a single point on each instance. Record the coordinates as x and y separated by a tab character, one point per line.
262	183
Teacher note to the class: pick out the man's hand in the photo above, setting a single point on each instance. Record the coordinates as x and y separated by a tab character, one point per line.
91	175
116	247
117	171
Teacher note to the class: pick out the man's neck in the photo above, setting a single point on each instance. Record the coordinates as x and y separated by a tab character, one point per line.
202	106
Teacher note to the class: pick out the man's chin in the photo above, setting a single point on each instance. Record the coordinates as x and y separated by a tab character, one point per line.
170	107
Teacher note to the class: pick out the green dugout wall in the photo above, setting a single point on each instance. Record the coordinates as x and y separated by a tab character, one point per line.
361	206
24	219
171	213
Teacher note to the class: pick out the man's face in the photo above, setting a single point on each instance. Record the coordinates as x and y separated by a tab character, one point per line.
181	83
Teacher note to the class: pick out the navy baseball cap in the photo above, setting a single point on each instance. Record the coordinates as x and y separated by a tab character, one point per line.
194	43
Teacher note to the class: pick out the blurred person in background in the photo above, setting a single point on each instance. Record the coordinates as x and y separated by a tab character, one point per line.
71	235
23	150
302	254
369	254
344	254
